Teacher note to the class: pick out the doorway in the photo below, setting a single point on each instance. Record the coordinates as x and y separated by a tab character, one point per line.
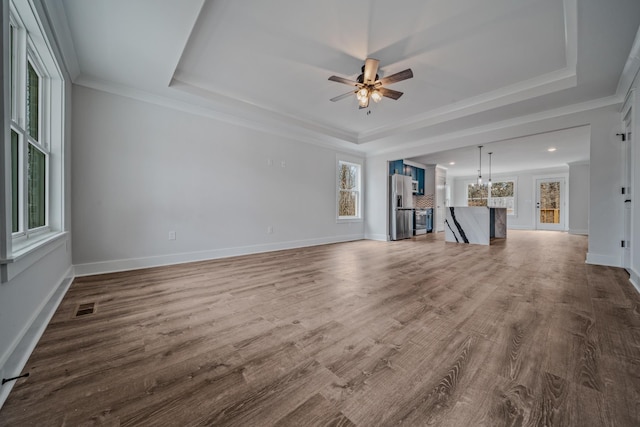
550	204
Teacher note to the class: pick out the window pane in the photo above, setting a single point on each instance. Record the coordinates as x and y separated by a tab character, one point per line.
502	189
33	93
550	203
502	196
37	190
348	204
15	182
348	176
477	195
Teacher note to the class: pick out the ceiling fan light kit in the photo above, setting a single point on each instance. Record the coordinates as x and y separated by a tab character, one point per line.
369	86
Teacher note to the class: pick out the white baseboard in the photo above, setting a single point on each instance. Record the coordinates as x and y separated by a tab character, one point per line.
581	232
601	259
20	351
520	227
634	278
181	258
380	237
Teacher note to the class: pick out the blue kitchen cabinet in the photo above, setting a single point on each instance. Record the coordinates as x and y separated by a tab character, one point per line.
396	167
420	179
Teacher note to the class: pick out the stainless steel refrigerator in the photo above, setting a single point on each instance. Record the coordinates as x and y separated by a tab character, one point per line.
400	207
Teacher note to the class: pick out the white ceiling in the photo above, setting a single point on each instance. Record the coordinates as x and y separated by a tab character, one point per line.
268	61
525	153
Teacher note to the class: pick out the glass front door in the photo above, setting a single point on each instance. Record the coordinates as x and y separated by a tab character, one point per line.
550	204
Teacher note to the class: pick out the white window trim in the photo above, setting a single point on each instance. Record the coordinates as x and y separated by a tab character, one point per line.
342	158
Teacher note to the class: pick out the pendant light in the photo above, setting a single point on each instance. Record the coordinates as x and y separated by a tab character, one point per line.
489	183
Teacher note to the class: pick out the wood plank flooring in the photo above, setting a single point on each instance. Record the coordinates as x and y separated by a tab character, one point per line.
416	332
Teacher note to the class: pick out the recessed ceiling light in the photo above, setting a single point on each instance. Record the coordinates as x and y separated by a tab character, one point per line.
452	163
551	149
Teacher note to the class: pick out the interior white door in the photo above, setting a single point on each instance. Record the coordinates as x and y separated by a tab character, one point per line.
626	249
550	204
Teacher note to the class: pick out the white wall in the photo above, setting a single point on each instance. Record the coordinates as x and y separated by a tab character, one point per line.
142	170
579	198
376	196
525	218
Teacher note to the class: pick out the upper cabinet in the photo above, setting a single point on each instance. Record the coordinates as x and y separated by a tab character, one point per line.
421	184
416	173
396	167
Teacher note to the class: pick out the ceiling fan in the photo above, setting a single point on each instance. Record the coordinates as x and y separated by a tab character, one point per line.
369	86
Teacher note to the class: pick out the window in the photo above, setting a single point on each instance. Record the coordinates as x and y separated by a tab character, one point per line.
500	194
37	111
477	195
349	190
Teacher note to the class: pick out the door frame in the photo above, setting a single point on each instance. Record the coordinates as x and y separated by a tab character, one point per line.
627	181
564	197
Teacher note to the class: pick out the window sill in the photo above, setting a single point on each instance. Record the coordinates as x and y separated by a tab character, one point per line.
28	252
344	220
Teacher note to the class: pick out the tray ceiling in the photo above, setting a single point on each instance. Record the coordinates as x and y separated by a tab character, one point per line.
268	62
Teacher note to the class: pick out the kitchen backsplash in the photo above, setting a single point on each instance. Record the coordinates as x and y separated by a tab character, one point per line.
425	201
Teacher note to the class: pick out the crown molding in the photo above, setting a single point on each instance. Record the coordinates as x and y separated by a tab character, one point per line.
57	18
315	138
277	128
538	86
631	68
610	101
580	163
247	109
541	85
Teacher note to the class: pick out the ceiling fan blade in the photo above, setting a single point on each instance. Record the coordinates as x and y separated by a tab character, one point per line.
397	77
393	94
343	96
370	70
343	80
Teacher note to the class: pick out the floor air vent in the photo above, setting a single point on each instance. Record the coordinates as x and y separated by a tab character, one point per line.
84	309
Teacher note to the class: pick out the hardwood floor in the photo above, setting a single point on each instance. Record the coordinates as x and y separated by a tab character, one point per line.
415	332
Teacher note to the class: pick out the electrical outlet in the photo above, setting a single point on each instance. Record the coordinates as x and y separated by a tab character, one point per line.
269	162
172	235
269	230
283	164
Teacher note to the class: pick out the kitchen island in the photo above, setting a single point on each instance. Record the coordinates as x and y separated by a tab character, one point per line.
475	224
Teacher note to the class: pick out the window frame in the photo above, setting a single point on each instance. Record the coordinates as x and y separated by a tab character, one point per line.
25	56
14	66
359	164
32	45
